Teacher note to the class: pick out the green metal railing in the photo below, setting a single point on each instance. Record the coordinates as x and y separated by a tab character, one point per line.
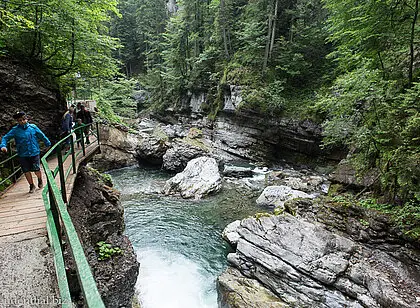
11	165
58	218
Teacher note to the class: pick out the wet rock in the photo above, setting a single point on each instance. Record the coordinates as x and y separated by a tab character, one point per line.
200	177
230	233
98	215
182	151
237	291
311	260
25	87
276	196
118	148
237	172
302	180
152	146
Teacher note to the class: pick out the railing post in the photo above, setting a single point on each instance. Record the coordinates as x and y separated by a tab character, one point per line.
83	140
54	211
73	156
97	132
61	172
12	163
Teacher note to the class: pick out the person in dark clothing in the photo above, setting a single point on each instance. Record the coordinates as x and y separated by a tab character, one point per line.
26	137
86	117
78	132
66	126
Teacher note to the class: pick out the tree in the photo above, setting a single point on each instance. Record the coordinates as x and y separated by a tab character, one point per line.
373	105
65	36
382	33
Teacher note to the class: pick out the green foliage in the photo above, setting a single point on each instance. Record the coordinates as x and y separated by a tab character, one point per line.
278	211
105	251
374	33
64	36
364	222
258	216
369	114
343	200
115	99
408	218
205	47
4	185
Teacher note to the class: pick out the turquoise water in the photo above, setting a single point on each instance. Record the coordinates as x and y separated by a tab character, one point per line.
178	242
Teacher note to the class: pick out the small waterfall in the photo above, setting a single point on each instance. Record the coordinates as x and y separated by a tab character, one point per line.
178	242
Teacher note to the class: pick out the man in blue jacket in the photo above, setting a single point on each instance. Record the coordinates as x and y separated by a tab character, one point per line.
26	137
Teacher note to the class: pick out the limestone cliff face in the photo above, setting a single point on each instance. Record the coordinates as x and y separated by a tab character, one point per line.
328	255
118	147
97	215
249	134
25	88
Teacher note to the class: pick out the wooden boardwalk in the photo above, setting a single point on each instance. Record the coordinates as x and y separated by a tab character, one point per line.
22	215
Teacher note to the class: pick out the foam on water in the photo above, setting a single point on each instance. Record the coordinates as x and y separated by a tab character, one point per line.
178	242
168	279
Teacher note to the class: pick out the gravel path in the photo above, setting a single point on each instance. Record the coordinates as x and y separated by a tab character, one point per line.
27	275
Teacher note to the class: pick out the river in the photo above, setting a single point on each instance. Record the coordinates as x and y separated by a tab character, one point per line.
178	242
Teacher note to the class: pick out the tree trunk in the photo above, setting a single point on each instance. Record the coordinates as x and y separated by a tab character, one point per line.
267	44
35	39
273	33
223	22
413	28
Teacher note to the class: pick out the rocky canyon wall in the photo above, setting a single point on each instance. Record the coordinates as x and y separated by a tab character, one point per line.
23	87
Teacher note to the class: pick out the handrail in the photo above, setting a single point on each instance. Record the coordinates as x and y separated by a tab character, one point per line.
16	171
57	216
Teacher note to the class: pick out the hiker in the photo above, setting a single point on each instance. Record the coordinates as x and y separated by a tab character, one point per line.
66	126
26	137
78	132
86	117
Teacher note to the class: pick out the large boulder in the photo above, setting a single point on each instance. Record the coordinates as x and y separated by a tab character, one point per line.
183	150
118	148
346	174
276	196
200	178
351	259
152	146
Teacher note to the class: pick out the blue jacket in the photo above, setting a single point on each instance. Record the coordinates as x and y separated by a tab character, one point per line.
26	138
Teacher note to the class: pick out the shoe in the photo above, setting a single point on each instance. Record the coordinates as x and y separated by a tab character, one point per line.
31	188
40	183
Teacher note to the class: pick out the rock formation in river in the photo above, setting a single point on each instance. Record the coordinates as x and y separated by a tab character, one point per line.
200	178
118	148
328	255
97	215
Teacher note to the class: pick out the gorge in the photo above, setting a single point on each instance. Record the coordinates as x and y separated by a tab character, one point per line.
326	251
320	253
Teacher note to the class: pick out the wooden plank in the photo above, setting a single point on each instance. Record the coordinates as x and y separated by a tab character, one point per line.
32	214
17	212
21	224
23	236
11	203
21	211
40	224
